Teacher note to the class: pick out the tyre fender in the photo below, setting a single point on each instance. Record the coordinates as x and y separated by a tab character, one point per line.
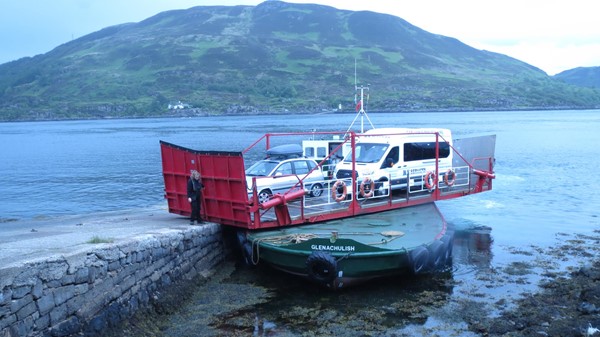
437	255
448	240
321	267
245	247
419	260
247	253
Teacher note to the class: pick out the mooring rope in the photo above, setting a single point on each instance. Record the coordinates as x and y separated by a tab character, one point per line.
278	240
393	235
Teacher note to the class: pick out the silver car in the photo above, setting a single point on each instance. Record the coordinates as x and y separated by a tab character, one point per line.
280	175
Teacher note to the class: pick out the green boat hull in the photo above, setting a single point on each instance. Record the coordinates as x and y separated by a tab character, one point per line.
348	251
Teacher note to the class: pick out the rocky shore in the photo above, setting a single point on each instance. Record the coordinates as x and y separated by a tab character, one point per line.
567	306
237	301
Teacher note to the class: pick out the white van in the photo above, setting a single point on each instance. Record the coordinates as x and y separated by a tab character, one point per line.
398	157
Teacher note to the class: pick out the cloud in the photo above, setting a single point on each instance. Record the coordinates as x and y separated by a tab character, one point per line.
552	35
551	57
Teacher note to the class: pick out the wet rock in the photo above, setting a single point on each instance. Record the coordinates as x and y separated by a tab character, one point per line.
589	271
564	305
588	308
563	308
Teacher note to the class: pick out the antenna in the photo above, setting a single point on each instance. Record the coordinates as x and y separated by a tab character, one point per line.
355	88
360	106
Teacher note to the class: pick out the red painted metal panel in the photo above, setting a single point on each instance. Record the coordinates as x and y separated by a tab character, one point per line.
225	199
175	175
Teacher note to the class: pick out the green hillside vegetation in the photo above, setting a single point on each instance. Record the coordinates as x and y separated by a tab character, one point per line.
271	58
582	76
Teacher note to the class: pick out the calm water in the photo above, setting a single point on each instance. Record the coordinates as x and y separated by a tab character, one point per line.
545	187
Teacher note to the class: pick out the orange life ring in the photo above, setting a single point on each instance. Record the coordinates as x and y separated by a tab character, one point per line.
371	184
334	192
430	182
447	180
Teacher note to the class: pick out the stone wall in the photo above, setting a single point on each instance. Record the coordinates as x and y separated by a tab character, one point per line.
87	292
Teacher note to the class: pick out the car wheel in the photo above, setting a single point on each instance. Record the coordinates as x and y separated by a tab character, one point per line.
264	196
379	187
316	190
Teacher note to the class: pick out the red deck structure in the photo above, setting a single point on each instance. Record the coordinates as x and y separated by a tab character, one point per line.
226	198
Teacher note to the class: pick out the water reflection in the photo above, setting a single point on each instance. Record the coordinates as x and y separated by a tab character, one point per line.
532	213
472	250
297	307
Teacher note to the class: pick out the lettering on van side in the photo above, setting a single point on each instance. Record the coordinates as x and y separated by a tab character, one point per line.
334	248
417	170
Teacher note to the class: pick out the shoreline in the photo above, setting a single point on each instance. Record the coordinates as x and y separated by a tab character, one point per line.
564	303
286	113
565	300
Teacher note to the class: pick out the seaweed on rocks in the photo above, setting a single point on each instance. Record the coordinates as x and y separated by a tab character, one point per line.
567	306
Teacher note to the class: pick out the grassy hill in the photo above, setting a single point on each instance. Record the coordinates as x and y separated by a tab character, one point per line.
582	76
271	58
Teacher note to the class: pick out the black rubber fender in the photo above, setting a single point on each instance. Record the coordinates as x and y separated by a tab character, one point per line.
448	240
321	267
437	255
247	253
245	247
419	260
241	237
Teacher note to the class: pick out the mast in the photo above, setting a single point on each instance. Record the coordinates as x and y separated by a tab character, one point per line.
360	106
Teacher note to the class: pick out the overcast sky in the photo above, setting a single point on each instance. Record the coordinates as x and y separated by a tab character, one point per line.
553	35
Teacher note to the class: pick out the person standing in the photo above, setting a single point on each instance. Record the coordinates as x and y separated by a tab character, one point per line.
194	194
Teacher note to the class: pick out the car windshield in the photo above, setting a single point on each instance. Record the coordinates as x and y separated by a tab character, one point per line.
368	153
261	168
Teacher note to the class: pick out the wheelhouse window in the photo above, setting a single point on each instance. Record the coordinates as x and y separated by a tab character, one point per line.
321	152
424	151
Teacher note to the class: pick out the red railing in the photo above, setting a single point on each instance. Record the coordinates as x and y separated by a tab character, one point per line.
226	201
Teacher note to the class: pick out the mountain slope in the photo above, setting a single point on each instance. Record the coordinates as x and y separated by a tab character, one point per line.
271	58
582	76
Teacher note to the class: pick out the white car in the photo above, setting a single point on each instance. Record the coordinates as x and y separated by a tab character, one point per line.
280	175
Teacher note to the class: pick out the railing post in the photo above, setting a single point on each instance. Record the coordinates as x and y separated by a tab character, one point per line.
436	192
407	185
268	141
353	202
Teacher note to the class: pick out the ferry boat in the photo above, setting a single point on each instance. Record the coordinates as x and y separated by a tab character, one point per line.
373	215
341	253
